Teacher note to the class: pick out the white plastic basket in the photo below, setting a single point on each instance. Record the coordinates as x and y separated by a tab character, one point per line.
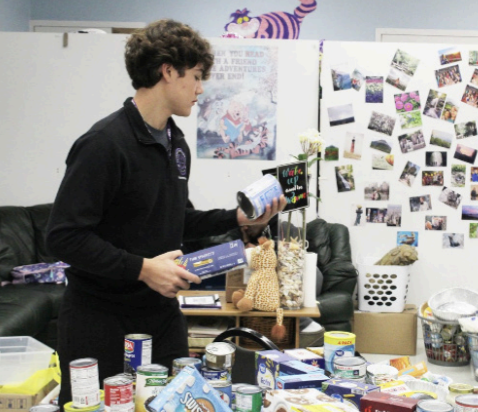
382	288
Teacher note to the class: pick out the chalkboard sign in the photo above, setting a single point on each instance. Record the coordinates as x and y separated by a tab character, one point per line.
293	179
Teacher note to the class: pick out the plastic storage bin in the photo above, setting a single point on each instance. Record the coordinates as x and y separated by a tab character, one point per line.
382	288
473	347
21	357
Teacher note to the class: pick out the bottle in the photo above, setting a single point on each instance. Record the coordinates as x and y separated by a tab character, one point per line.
457	389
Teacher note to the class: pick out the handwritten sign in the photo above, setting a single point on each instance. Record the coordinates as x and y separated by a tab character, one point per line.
293	179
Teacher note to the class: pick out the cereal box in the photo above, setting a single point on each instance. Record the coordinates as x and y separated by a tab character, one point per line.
307	356
268	367
215	260
305	380
347	390
188	391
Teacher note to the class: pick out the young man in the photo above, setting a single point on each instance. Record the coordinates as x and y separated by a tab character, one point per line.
120	214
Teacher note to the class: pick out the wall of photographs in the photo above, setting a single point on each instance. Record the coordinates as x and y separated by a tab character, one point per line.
400	124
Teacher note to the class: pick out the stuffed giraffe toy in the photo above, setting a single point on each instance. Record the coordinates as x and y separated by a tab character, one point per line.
262	291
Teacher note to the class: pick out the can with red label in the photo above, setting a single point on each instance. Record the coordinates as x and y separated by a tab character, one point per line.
118	394
137	351
85	383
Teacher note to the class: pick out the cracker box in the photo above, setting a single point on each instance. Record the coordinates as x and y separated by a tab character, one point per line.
304	380
296	367
215	260
307	356
188	391
268	363
385	402
347	390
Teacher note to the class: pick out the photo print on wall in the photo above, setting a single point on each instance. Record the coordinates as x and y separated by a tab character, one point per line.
382	161
410	142
453	241
344	176
381	123
410	120
432	178
410	172
466	129
473	58
373	89
341	77
441	138
394	215
469	212
339	115
449	55
435	222
474	77
375	215
473	231
465	153
450	198
450	111
381	143
420	203
474	174
434	104
353	145
458	173
357	79
474	192
470	96
436	159
407	238
448	76
377	191
402	69
331	153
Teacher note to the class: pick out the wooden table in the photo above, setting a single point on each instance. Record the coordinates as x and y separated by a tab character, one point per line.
229	310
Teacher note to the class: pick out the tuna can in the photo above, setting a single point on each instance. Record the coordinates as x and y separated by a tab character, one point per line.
118	394
137	351
213	374
337	344
180	363
432	405
45	408
466	403
150	381
255	197
85	383
220	355
224	389
350	367
248	398
68	407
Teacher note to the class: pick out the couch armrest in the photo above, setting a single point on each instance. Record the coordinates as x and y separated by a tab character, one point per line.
335	307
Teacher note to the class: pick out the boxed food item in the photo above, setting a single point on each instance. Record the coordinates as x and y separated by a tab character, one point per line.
296	367
385	402
307	356
304	380
234	281
347	390
188	391
389	333
268	367
215	260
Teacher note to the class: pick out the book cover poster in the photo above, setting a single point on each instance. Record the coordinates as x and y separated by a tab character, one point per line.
237	114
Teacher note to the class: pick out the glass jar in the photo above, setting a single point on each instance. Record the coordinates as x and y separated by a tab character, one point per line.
457	389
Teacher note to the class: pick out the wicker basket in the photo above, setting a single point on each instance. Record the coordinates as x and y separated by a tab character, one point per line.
264	327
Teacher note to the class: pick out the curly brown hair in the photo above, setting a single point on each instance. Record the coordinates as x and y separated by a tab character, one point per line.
165	41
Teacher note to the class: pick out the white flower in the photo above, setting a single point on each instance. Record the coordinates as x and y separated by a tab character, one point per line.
311	142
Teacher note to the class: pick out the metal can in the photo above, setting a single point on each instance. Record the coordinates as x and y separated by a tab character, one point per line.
213	374
234	387
350	367
255	197
180	363
85	383
220	355
118	394
150	381
466	403
45	408
248	398
68	407
224	389
432	405
137	351
457	389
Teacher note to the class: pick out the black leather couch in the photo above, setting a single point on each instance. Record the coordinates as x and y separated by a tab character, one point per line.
32	310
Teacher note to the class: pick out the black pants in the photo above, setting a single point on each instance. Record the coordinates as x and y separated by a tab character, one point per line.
84	332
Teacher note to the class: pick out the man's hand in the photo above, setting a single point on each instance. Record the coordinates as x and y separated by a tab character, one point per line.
166	277
278	205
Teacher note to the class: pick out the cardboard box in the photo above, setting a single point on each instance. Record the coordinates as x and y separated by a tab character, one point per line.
15	402
387	333
308	380
384	402
268	367
234	281
346	390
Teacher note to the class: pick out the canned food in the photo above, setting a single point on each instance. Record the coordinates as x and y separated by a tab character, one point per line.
457	389
68	407
85	383
150	381
255	197
351	367
180	363
466	403
220	355
137	351
431	405
213	374
234	387
118	394
45	408
224	389
248	398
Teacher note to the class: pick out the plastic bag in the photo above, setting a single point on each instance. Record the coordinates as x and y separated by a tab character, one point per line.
40	273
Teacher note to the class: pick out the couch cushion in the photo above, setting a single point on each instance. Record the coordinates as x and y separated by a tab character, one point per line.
17	244
23	312
39	217
52	291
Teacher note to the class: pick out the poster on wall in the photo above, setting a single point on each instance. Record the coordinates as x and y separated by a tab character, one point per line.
237	114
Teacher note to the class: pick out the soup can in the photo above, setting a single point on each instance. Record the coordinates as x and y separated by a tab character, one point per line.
248	398
224	389
220	355
150	381
255	197
350	367
432	405
137	351
466	403
85	383
118	394
180	363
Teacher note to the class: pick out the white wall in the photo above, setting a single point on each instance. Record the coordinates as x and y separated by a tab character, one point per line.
52	95
437	268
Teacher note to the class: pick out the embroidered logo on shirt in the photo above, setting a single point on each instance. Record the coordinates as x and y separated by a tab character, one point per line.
181	161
